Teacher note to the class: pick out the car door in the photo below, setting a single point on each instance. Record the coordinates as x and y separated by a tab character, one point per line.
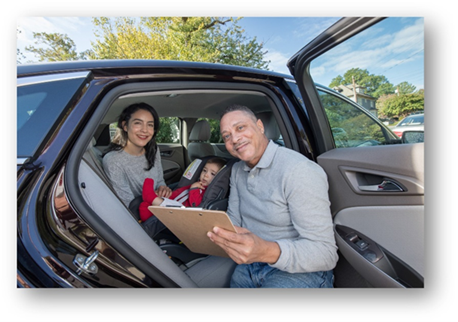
376	186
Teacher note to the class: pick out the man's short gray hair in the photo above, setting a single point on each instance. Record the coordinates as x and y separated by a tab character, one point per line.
242	108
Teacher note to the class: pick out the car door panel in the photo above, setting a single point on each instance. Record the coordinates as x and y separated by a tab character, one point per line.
172	159
394	220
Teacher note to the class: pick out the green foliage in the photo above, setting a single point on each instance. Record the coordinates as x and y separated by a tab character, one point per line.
61	47
169	130
203	39
350	126
405	88
402	105
388	103
375	85
19	54
215	135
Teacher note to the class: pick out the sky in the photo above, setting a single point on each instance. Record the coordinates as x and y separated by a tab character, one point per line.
281	37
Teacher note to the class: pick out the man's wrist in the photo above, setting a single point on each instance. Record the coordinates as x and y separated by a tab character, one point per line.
273	253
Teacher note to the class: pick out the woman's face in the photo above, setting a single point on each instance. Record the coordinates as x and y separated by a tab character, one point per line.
140	130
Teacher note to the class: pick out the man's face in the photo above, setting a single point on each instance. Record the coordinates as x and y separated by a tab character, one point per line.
244	138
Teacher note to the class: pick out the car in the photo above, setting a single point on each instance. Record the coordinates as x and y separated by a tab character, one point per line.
73	231
413	122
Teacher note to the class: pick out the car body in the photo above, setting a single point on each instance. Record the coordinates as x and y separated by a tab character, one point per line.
413	122
73	231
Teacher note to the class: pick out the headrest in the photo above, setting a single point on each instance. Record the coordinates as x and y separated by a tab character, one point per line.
200	131
271	129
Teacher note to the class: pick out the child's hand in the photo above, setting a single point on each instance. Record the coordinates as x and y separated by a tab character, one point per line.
197	184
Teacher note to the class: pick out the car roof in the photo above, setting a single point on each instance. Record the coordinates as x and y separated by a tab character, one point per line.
100	65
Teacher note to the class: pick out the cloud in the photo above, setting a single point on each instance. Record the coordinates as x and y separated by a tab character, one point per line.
278	61
373	50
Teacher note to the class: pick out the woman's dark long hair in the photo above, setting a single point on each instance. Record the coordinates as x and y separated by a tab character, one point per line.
120	139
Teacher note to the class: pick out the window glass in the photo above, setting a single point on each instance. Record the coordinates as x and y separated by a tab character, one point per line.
350	125
381	68
169	131
215	135
39	107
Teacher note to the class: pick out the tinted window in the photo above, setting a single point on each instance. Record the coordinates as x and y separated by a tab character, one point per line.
169	131
412	120
350	125
39	106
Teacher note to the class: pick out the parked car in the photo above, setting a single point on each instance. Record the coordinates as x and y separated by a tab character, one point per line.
413	122
73	231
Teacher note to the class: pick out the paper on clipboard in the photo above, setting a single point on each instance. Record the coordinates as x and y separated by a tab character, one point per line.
191	225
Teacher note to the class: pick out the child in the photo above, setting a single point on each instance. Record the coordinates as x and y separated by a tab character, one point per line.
188	196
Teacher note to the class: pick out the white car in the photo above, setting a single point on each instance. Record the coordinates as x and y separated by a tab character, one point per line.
414	122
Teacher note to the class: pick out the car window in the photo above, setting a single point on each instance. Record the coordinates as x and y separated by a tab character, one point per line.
351	126
169	130
412	120
215	135
39	106
380	73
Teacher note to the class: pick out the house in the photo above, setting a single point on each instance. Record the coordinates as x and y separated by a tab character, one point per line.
363	99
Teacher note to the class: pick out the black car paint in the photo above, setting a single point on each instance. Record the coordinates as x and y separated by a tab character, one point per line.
50	230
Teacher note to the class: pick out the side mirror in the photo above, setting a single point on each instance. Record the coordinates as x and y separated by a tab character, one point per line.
413	136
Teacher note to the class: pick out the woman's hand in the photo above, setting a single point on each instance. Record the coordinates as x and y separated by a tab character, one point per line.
163	192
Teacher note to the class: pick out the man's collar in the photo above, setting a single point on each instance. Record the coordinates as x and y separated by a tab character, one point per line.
266	159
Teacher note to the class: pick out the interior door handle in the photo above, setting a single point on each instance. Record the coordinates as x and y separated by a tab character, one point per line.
386	185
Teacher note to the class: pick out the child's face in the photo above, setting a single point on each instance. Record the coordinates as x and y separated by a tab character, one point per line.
208	173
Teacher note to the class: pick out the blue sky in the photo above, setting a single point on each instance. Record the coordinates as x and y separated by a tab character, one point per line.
282	37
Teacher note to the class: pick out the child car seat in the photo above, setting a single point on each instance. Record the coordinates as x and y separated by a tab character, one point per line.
216	194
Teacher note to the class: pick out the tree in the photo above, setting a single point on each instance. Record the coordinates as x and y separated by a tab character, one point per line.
61	47
405	88
19	54
400	105
204	39
375	85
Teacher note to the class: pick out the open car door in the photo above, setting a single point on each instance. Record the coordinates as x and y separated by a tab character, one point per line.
376	182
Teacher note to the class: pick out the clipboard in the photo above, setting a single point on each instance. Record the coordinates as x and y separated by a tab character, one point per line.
191	225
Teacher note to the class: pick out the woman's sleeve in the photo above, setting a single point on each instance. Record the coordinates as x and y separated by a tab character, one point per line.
118	179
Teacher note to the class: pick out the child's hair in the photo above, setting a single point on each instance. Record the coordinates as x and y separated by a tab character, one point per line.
218	161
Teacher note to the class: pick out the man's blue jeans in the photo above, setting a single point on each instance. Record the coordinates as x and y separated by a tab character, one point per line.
262	275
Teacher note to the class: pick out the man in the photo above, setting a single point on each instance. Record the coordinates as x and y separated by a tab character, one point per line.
279	204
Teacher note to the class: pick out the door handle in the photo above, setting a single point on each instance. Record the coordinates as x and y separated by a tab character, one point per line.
385	185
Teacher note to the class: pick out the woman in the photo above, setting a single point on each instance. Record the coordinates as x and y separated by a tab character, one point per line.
133	154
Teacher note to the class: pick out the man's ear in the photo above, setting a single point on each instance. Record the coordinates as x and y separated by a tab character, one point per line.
260	125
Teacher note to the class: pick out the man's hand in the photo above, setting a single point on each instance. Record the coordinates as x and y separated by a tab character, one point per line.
163	191
244	247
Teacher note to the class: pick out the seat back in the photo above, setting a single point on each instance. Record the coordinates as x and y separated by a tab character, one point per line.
199	146
271	129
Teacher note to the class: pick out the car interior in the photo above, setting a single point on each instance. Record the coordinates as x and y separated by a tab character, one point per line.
182	266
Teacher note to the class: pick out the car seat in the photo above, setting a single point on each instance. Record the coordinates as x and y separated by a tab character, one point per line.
215	198
199	146
271	129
